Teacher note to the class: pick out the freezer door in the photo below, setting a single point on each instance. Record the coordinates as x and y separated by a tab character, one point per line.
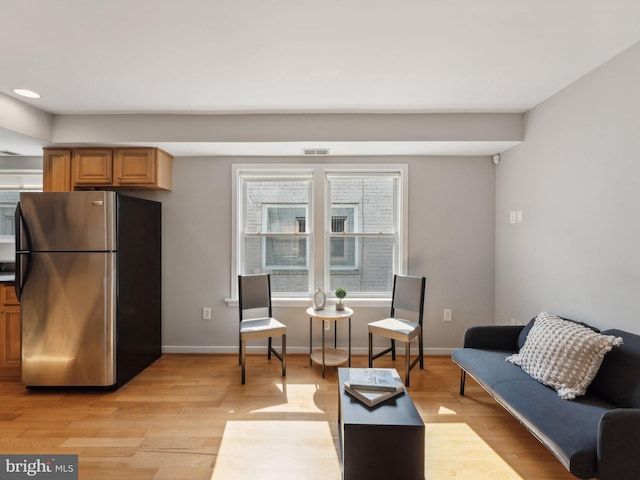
66	221
68	326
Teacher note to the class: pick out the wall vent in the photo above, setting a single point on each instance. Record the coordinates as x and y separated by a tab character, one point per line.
315	151
8	153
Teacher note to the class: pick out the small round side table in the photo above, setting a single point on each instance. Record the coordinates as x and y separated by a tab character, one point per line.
329	356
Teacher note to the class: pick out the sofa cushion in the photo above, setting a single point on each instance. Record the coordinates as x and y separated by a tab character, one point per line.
563	354
568	429
488	367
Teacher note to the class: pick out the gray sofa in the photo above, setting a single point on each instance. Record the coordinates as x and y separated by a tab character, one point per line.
595	435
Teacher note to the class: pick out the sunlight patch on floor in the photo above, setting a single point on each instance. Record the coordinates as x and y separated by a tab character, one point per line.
454	450
258	449
299	399
446	411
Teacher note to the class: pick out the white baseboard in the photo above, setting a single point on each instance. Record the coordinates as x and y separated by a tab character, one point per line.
291	350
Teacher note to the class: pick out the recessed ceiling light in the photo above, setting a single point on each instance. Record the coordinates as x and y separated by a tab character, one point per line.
26	93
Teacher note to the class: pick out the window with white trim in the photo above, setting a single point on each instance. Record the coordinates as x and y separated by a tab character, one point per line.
274	210
325	226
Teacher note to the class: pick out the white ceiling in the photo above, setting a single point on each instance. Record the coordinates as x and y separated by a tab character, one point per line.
304	56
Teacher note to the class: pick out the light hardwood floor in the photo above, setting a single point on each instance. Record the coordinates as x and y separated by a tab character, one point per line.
188	417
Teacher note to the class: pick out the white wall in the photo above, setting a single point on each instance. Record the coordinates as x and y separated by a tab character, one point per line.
576	177
451	241
23	119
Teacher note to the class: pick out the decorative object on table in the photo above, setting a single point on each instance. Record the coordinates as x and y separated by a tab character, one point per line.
340	294
372	387
373	378
319	299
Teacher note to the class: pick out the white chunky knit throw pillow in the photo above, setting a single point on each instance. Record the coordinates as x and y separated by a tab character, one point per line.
562	354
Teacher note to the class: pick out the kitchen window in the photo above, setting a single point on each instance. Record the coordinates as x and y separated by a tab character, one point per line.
322	226
12	182
8	201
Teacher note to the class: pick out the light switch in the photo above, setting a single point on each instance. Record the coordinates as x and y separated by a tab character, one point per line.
512	217
519	216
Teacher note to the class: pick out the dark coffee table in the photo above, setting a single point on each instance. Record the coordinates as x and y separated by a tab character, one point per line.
381	442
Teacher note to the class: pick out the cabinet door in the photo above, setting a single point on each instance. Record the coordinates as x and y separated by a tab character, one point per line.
135	166
10	354
92	166
8	296
11	329
57	170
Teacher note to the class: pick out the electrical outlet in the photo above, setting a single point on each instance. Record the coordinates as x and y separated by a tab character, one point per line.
447	314
514	321
327	325
206	313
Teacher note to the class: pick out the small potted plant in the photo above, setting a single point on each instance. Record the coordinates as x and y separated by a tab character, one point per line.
340	294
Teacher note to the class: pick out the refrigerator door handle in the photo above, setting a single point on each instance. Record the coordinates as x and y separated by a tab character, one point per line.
22	231
18	282
18	224
21	228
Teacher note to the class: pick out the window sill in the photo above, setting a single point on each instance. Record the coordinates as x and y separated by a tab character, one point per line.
306	302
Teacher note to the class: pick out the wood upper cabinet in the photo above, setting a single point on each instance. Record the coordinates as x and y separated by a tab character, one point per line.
143	167
10	348
92	166
57	170
107	168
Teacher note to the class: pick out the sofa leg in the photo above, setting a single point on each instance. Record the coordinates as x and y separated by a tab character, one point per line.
463	377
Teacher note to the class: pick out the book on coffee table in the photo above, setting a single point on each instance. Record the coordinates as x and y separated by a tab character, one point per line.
377	379
371	397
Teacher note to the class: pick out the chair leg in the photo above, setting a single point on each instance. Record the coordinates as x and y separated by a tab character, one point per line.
269	350
420	342
242	357
239	349
463	377
370	350
393	350
284	355
407	366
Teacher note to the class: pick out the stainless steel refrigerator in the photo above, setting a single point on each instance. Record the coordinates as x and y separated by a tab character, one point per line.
88	279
